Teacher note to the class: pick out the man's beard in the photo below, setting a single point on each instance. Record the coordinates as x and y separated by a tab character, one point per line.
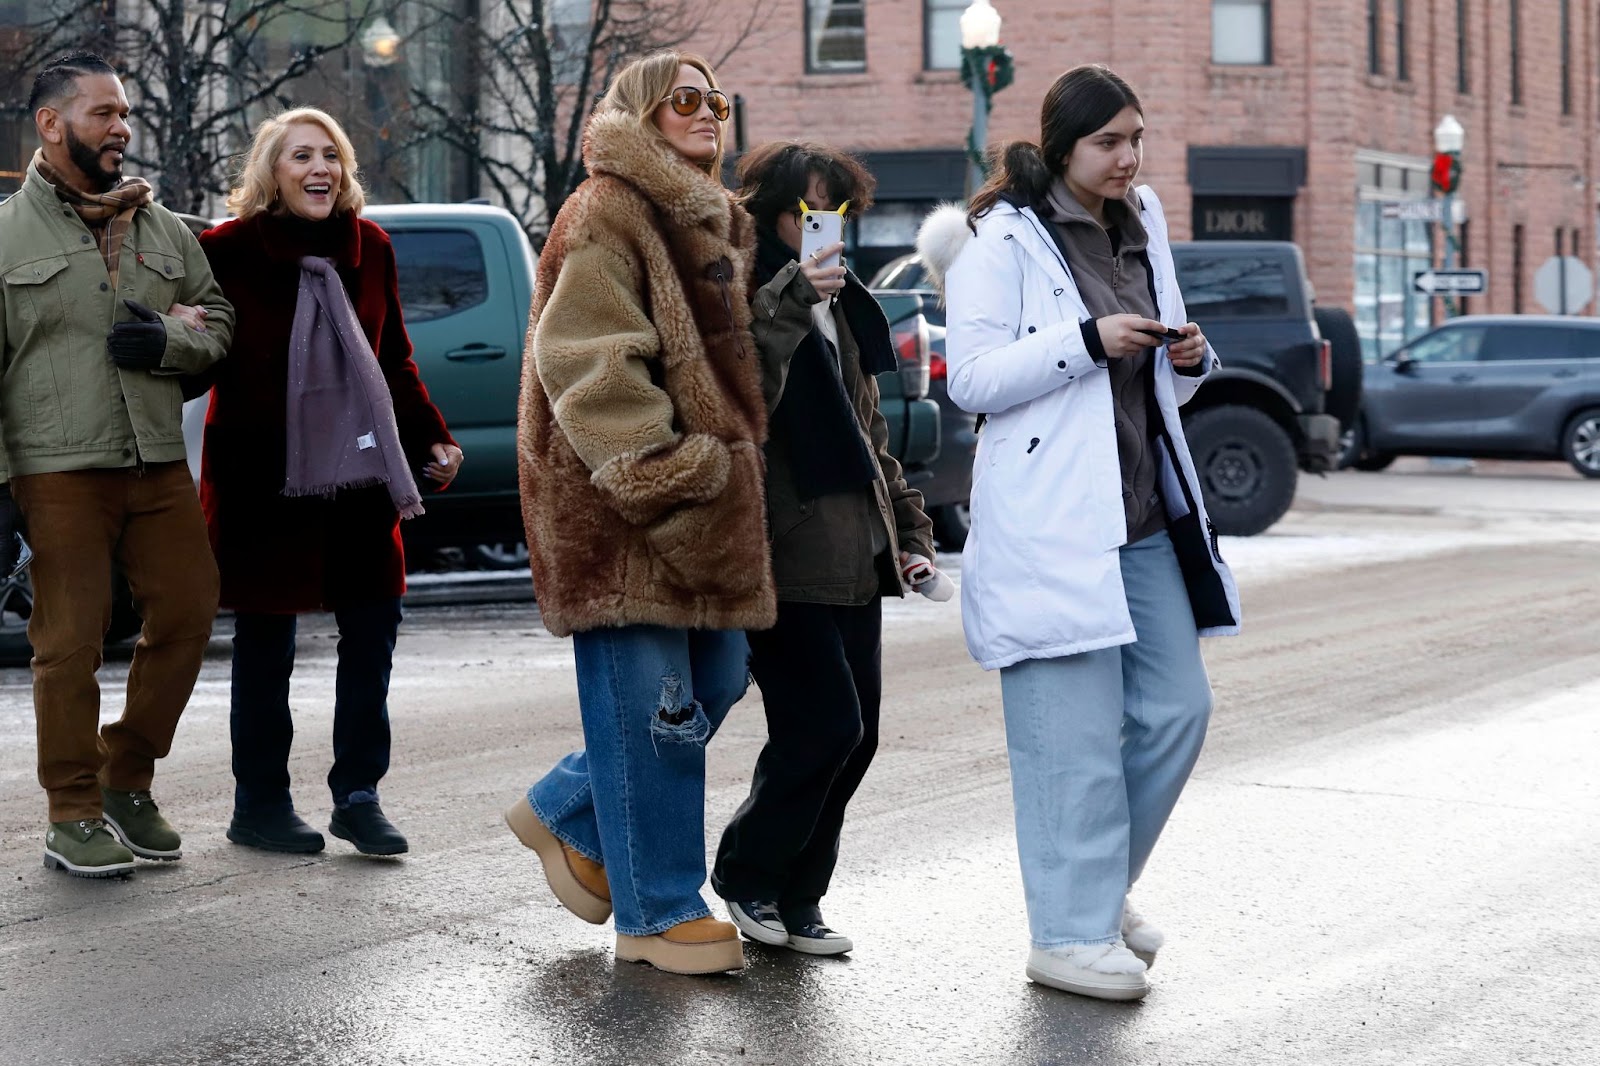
87	159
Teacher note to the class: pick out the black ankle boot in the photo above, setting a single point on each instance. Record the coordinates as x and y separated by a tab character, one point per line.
278	830
364	825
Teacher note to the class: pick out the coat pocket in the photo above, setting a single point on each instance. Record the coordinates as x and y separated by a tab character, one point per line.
718	548
158	281
34	290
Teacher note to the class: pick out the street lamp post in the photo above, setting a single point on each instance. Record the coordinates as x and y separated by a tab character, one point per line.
986	69
1448	140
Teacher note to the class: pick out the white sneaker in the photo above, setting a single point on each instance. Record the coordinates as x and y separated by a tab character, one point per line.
1103	971
1142	938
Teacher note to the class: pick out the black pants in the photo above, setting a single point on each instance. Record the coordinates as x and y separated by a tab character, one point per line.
260	721
820	674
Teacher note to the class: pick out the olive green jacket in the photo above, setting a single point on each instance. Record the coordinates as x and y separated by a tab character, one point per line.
822	547
63	404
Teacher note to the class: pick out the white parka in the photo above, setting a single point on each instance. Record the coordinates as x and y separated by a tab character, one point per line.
1041	574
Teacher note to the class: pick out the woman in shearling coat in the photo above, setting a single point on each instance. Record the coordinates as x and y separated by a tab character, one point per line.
1091	569
640	451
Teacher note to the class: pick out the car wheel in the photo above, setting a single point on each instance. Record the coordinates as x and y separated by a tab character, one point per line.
1372	462
16	608
1246	465
950	525
1353	453
1580	442
512	555
1343	399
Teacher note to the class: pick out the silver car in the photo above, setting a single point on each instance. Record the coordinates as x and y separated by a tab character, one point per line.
1487	387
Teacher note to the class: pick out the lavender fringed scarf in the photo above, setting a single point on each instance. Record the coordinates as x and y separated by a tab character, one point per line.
342	430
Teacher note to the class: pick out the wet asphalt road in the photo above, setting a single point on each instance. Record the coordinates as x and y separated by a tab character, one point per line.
1388	854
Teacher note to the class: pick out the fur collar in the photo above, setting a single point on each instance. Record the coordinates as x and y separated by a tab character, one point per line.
286	238
616	144
940	239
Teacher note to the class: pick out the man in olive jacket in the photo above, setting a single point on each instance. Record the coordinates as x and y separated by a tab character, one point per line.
93	460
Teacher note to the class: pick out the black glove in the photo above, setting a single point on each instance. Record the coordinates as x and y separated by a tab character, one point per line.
10	532
141	344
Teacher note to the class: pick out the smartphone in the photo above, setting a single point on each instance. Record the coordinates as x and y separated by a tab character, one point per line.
818	229
1170	334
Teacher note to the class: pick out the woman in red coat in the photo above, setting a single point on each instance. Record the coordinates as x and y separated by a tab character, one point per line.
310	449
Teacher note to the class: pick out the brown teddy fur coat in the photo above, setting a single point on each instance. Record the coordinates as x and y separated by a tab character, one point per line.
642	417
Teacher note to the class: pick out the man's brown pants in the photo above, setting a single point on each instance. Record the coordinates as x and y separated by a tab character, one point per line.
148	522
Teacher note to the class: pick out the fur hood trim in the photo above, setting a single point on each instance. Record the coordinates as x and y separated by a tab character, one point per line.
615	143
940	239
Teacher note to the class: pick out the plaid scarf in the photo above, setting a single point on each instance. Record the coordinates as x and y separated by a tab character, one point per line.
107	214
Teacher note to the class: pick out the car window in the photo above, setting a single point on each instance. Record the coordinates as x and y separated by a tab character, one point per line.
908	274
1458	344
1233	285
1516	343
442	272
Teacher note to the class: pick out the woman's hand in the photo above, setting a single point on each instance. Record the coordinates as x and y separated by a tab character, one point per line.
193	317
1125	335
1190	350
446	463
826	280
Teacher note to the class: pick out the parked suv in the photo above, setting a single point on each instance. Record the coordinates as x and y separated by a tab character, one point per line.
1289	382
1488	386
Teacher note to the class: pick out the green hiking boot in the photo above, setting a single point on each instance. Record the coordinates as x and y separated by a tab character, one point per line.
136	820
85	848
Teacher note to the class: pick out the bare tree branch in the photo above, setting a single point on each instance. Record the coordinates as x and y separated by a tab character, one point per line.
540	66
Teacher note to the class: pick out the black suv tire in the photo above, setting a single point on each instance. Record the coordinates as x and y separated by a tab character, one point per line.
1343	400
1246	464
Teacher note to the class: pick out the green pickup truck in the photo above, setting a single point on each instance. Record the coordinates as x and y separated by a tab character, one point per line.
466	278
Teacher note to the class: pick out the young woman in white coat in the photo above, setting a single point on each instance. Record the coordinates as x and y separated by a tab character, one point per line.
1091	569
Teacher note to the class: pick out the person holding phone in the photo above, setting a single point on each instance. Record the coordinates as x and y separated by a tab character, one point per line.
639	440
844	525
318	436
1091	569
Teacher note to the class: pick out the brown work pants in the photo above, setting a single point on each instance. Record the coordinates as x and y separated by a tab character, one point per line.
146	521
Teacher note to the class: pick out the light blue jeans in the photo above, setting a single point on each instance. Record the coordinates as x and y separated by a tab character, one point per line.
1101	745
650	699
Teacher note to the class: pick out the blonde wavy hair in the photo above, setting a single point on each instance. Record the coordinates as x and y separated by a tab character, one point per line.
643	85
257	189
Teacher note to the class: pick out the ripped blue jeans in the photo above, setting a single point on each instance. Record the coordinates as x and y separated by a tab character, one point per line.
650	699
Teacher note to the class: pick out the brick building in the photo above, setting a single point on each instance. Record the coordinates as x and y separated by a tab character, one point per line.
1267	119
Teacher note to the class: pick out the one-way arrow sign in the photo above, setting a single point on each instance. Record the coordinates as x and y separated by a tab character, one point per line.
1451	282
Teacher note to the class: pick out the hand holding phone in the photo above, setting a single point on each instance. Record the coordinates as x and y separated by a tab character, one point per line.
818	231
1167	334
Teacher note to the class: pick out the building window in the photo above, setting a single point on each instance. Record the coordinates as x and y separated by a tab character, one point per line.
1402	43
1566	57
836	36
1241	32
1515	14
1389	252
1463	83
569	39
1374	39
941	34
1516	269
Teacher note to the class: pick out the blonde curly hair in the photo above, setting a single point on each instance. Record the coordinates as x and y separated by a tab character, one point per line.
257	188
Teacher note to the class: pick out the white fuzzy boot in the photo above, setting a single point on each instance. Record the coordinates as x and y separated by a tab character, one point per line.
1142	938
1103	971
